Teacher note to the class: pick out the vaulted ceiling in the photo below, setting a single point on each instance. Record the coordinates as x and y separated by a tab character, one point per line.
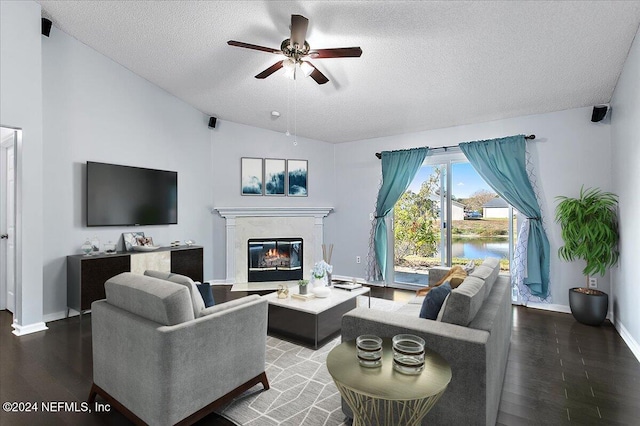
425	64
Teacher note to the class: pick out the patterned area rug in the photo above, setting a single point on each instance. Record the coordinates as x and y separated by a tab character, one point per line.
302	392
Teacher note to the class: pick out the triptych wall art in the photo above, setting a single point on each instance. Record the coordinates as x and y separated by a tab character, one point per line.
273	176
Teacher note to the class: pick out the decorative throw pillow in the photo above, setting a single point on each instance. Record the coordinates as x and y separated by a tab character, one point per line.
469	267
456	278
434	300
456	271
206	293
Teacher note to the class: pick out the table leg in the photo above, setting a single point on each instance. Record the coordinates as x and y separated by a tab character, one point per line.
368	411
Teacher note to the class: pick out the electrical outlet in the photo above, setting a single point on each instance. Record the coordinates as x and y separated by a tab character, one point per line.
357	259
371	217
593	282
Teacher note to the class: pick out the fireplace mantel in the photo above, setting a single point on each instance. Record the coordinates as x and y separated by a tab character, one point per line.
305	222
233	212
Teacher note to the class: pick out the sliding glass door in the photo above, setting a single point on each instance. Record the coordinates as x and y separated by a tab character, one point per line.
448	216
419	228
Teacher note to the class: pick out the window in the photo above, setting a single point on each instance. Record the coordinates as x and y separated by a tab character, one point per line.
481	223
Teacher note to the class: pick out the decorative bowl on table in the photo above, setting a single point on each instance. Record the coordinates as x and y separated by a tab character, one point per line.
321	291
145	248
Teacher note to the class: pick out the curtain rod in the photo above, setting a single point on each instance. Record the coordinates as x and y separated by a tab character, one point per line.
530	137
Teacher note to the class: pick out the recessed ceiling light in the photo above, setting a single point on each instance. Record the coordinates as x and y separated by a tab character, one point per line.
275	114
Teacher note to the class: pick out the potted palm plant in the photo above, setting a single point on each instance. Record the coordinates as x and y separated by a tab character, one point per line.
590	233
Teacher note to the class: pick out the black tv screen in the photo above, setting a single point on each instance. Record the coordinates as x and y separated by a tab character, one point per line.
124	195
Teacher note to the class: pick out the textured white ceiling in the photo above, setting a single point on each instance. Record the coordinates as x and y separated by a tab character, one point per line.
425	64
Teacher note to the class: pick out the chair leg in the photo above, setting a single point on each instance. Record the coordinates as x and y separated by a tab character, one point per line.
97	390
264	381
225	399
92	394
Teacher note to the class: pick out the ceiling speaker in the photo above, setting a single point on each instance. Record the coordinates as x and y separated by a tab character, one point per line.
212	122
599	111
46	27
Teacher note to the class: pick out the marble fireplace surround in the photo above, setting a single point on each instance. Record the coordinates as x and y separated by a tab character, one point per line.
243	223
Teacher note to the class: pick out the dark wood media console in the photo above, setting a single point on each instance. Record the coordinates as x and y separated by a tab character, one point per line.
86	275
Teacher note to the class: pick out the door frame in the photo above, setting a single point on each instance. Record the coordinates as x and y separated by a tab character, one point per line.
17	155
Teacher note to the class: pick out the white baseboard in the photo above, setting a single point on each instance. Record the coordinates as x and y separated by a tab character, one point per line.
21	330
628	339
558	308
549	307
56	316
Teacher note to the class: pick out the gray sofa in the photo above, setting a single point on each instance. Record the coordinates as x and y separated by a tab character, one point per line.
161	360
473	336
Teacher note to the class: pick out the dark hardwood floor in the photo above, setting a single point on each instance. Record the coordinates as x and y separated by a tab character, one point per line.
559	371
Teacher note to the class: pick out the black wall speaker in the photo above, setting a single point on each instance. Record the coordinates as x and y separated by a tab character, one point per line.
599	111
46	27
212	122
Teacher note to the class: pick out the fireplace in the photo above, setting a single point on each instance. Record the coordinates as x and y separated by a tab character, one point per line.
274	259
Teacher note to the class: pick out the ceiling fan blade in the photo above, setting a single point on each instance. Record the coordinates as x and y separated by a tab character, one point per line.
317	75
252	46
339	52
299	26
273	68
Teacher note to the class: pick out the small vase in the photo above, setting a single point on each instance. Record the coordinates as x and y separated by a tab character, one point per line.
320	282
87	248
303	289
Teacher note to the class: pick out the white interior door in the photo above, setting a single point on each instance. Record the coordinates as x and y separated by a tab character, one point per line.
8	224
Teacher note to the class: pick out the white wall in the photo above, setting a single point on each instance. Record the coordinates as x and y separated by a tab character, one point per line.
232	141
625	135
96	110
21	106
569	151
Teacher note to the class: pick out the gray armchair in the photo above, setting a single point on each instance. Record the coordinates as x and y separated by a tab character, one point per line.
158	364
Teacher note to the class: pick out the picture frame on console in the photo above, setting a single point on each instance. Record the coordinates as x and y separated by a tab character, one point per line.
297	182
251	176
274	176
132	239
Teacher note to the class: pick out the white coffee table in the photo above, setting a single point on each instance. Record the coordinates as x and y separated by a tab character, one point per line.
311	322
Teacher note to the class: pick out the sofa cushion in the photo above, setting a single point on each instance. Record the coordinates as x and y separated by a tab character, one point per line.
444	306
433	301
206	293
157	300
464	302
488	271
196	298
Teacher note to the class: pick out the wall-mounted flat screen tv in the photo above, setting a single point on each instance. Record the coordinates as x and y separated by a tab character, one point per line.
126	196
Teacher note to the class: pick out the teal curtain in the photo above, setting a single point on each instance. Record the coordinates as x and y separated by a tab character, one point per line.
398	170
502	164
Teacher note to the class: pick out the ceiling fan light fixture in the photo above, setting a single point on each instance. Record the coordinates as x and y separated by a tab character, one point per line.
289	69
306	68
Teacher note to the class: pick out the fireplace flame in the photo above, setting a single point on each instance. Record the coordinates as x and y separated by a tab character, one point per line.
275	254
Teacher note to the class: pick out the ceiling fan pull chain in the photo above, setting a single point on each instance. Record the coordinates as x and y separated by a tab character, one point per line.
295	112
288	133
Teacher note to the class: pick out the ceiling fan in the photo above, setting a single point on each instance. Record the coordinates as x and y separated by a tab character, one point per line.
297	50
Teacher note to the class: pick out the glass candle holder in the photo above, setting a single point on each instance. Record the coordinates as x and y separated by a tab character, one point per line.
408	353
369	350
86	248
109	248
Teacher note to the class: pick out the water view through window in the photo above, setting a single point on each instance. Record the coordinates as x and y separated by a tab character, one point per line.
479	222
